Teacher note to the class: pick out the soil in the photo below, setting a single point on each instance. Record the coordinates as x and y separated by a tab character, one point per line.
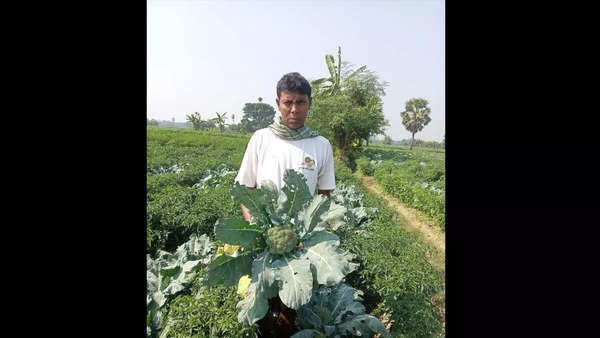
279	322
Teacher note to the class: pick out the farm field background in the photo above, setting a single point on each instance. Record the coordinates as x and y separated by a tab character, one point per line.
189	176
415	177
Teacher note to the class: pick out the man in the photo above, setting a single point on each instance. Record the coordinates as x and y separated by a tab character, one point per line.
288	144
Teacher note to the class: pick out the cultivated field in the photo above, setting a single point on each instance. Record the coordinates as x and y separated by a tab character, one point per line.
190	175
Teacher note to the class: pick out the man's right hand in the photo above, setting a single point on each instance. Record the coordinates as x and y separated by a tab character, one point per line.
245	212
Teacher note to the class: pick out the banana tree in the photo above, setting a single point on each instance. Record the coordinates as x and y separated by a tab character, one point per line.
195	119
333	84
220	119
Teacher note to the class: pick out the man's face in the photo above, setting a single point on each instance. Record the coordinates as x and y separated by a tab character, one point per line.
294	108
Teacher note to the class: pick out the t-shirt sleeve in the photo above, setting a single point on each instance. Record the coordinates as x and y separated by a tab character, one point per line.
326	171
247	173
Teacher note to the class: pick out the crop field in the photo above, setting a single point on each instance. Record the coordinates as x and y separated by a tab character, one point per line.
417	177
195	256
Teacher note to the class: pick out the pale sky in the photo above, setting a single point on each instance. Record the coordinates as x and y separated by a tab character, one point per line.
215	56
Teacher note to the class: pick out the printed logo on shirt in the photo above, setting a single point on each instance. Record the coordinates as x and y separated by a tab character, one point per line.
308	163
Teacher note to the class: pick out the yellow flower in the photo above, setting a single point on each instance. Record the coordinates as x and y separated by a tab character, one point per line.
230	249
243	284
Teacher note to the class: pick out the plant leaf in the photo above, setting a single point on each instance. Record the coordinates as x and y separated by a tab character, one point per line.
227	270
306	334
294	194
295	280
330	263
251	199
237	231
269	192
362	325
306	318
311	215
333	219
264	275
254	306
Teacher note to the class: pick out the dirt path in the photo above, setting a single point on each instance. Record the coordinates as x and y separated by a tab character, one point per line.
416	222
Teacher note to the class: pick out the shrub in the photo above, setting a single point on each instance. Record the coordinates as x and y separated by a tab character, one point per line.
365	166
176	211
394	272
205	312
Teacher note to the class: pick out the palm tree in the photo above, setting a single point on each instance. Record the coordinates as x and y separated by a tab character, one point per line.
416	116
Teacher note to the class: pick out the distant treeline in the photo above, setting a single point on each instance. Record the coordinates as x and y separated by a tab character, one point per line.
154	122
417	143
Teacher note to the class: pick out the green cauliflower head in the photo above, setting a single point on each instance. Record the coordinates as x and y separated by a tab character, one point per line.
281	240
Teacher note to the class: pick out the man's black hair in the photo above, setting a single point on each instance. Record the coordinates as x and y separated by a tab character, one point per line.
293	83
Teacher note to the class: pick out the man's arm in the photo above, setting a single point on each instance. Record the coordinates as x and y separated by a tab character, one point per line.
245	211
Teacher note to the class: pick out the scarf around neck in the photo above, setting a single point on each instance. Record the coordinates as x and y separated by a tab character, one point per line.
286	133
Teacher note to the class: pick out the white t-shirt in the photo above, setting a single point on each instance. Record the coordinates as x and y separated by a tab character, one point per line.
268	156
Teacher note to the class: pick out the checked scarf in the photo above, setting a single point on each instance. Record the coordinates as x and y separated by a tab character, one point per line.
286	133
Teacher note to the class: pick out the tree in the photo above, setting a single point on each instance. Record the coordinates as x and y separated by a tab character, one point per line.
220	121
347	107
196	120
387	140
415	116
257	116
333	84
342	122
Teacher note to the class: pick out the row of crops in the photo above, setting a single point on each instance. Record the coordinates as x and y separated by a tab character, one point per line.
387	281
417	177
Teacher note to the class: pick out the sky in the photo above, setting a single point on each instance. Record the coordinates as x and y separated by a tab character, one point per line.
215	56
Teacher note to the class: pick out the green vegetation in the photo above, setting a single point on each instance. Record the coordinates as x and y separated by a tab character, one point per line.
347	107
189	179
417	177
257	116
416	116
394	273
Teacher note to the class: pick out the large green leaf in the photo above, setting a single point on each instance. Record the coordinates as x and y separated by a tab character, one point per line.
227	270
295	280
237	232
362	325
263	287
294	194
270	193
254	306
307	318
333	219
308	333
335	311
251	199
331	67
311	215
329	263
264	274
269	197
171	273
